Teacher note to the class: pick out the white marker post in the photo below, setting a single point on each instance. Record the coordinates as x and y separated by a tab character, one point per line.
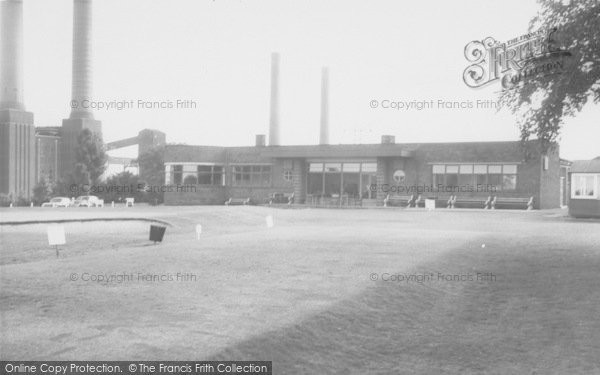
269	220
198	231
56	236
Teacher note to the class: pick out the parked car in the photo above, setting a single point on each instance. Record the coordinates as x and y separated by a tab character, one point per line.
88	201
57	202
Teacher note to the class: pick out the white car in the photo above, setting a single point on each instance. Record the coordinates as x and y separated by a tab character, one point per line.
88	201
57	202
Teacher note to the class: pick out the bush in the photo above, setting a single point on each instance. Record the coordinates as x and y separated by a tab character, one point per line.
41	192
5	200
22	201
121	186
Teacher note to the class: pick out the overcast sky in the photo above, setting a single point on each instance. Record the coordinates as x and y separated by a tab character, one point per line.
217	53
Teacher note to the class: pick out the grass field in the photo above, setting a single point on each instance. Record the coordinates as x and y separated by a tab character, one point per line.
313	294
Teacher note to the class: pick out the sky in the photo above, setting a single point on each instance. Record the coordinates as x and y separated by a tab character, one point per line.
217	55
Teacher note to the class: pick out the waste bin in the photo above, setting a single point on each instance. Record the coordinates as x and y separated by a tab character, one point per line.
157	232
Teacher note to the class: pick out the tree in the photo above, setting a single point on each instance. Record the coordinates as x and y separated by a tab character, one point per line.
41	191
90	158
65	187
152	172
577	31
90	164
121	186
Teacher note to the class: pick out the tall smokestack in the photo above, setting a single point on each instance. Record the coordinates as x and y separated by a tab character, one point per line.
324	133
274	130
11	40
81	89
17	132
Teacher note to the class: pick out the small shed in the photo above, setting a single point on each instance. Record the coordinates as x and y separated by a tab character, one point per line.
585	188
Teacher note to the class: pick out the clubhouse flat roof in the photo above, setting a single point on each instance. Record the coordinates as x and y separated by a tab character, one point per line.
586	166
339	151
486	150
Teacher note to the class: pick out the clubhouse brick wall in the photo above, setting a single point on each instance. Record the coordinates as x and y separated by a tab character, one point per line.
228	157
550	181
532	180
204	195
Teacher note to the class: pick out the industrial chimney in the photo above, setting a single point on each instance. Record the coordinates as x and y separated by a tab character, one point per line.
388	139
274	130
260	140
11	40
324	130
81	89
17	132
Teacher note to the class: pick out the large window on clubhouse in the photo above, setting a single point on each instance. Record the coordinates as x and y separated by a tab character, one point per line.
500	177
348	179
210	175
189	174
251	175
585	186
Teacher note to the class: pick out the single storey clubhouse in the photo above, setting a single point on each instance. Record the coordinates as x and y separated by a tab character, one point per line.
365	174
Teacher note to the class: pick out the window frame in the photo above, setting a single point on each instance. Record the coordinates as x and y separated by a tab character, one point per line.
177	171
216	177
251	175
318	171
583	177
476	175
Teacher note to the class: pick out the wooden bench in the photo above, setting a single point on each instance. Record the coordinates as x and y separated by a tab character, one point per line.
473	202
512	202
237	202
399	200
451	201
287	198
419	201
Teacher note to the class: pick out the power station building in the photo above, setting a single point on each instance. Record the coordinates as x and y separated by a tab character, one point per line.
29	154
17	132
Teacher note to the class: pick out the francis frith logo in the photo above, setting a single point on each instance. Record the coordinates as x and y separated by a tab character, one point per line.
522	58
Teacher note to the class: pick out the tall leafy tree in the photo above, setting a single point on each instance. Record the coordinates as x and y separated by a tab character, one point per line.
152	172
41	191
90	158
63	187
152	165
577	24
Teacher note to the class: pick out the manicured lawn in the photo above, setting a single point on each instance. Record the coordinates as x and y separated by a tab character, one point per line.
303	295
